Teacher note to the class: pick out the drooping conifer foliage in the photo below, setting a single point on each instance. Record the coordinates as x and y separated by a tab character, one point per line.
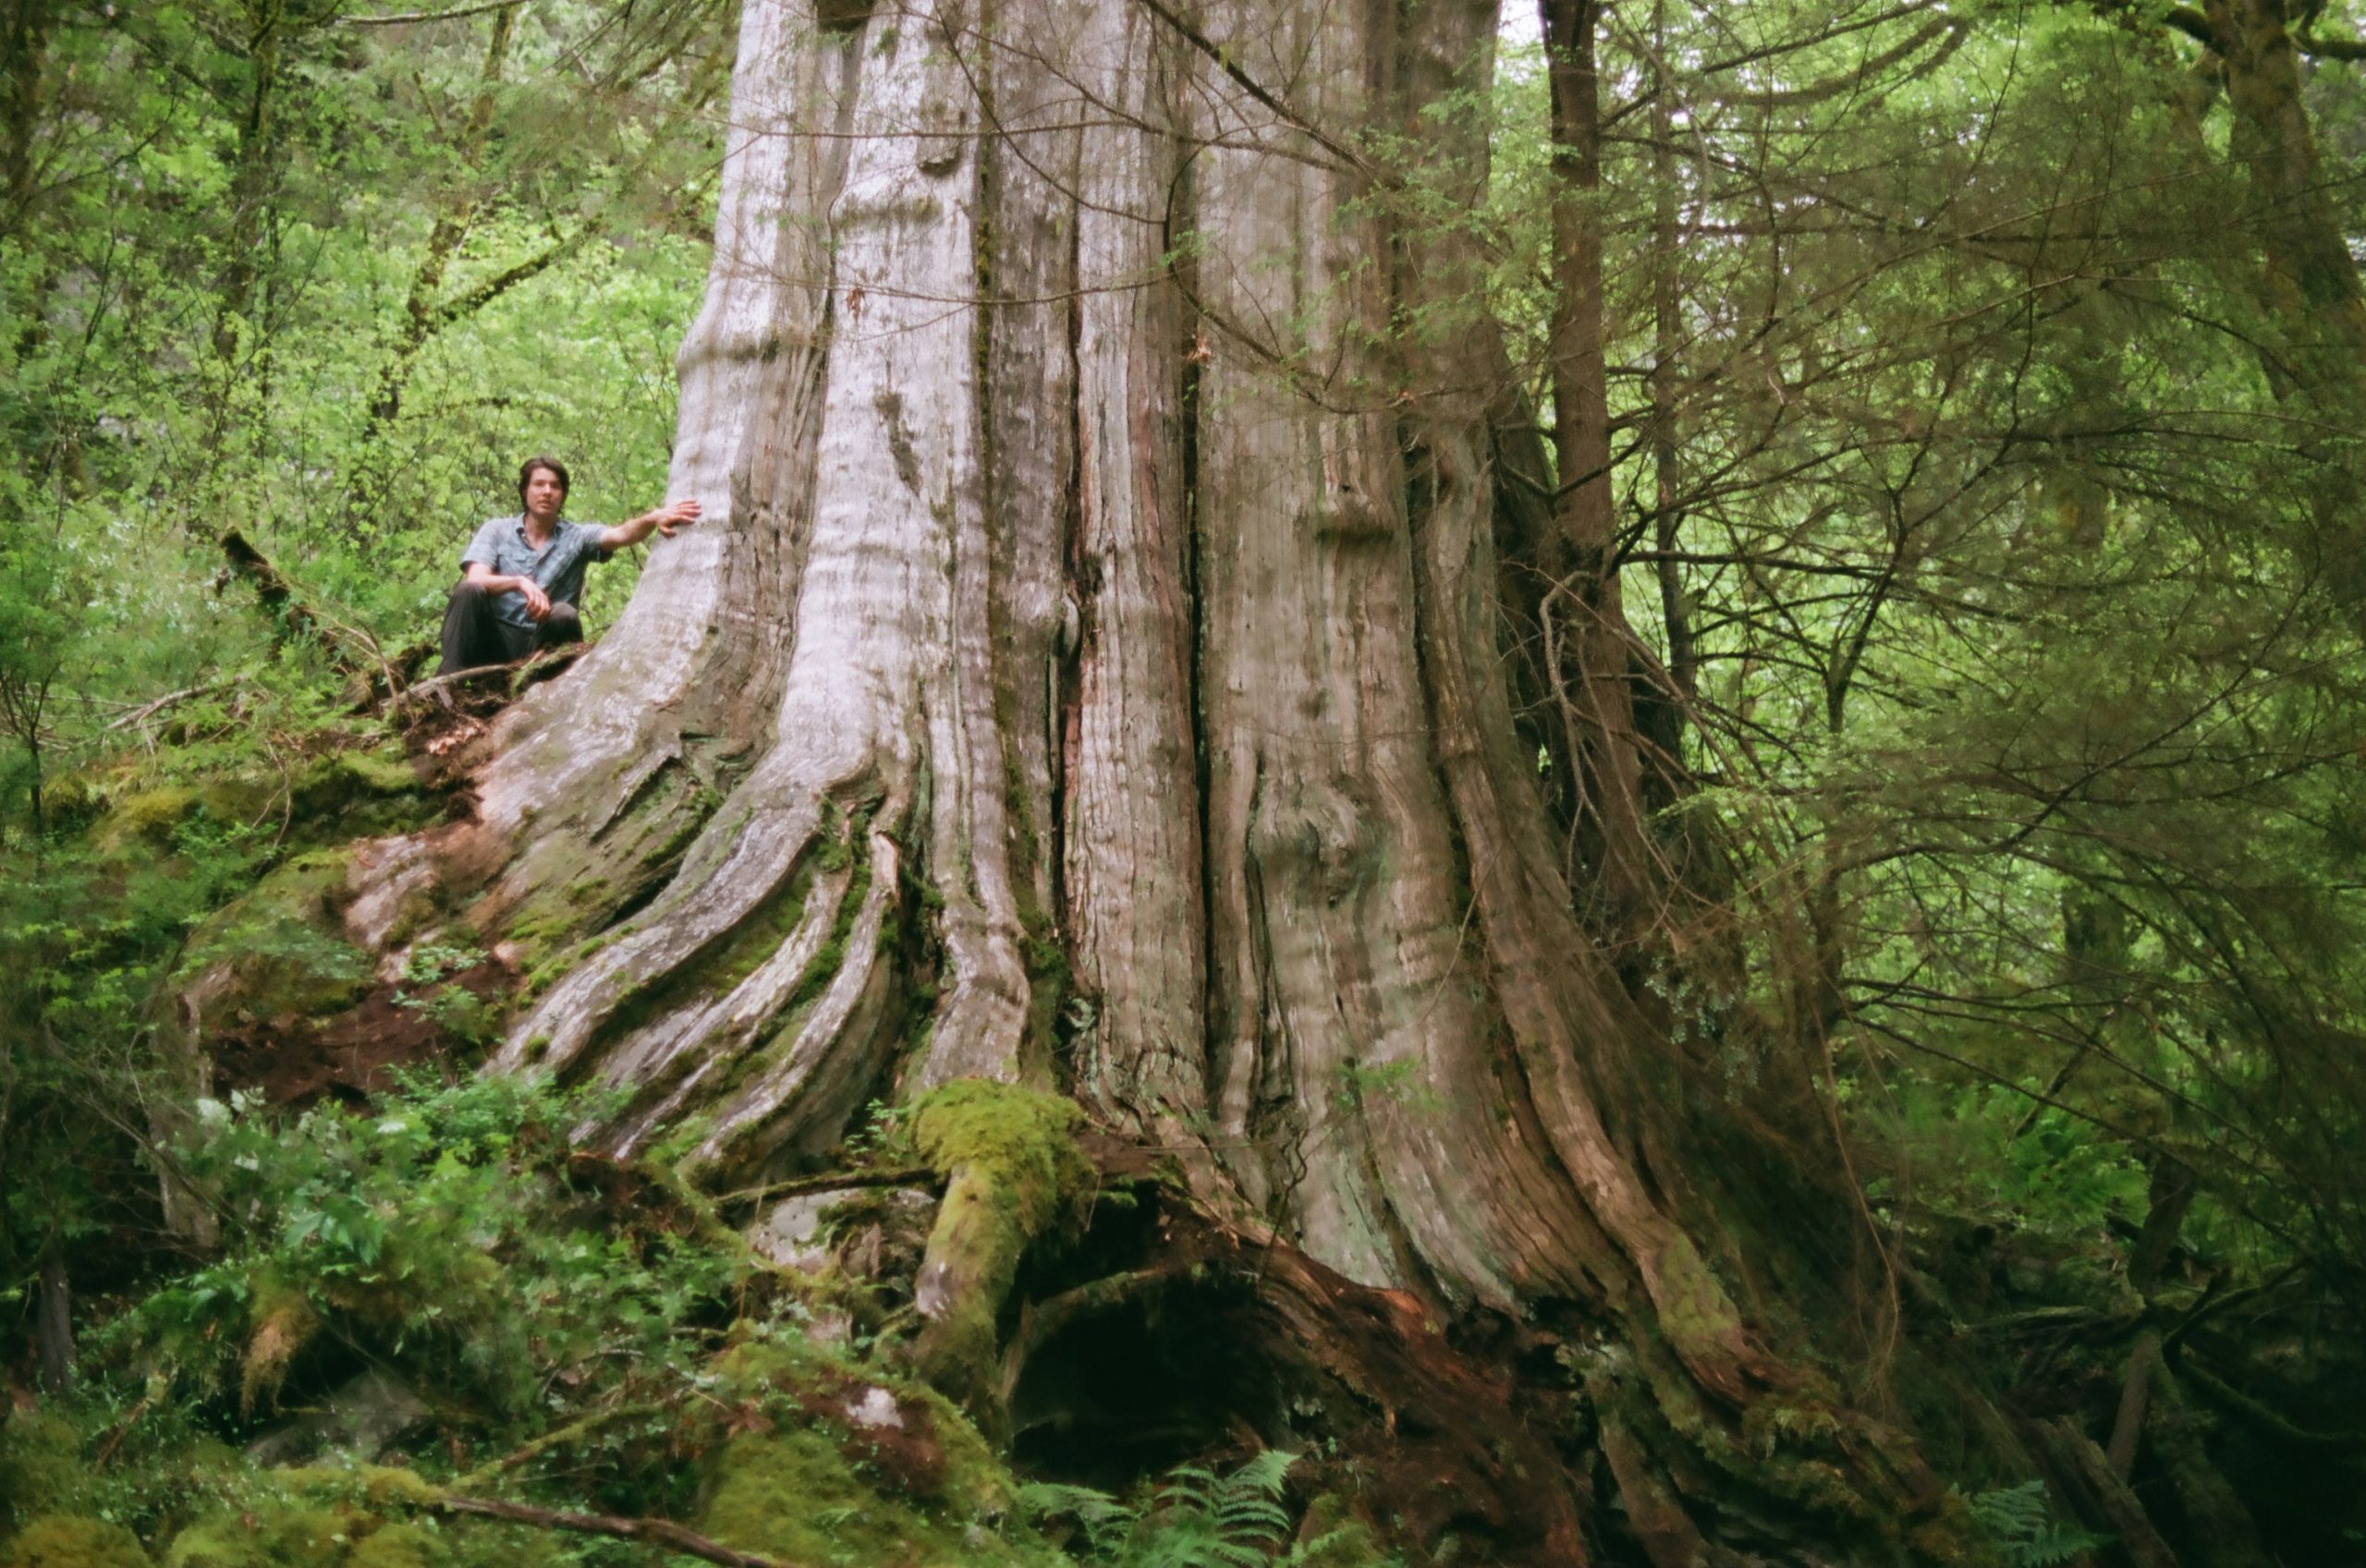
1597	767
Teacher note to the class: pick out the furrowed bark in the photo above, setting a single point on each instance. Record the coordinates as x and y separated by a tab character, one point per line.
1393	973
1093	671
1130	854
1581	1048
887	711
1345	1008
601	779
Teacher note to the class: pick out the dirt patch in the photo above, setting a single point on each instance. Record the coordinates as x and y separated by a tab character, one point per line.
629	1200
897	1437
296	1060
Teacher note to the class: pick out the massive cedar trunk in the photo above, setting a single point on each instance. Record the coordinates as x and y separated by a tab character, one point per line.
1089	675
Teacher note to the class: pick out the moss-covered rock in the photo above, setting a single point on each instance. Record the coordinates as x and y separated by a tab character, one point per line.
281	1323
145	816
142	817
266	1537
65	1540
279	949
357	788
793	1494
398	1546
304	1534
917	1442
40	1469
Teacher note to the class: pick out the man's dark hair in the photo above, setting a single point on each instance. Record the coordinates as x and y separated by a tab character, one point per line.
526	476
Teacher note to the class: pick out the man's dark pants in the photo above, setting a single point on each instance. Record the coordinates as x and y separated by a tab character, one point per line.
474	636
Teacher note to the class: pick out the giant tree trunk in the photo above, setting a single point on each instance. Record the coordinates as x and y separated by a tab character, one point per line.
1087	675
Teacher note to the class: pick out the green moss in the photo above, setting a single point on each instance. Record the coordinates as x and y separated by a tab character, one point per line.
755	941
701	804
1802	1446
41	1468
397	1546
1694	1311
1801	1422
148	817
72	801
974	1483
281	943
69	1541
287	1531
1331	1537
1022	1140
280	1322
344	780
831	953
795	1495
269	1535
760	936
1014	1173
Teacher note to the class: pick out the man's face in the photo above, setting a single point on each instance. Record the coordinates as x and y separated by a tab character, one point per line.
544	494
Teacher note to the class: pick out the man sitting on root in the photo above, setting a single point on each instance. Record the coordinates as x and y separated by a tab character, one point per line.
521	575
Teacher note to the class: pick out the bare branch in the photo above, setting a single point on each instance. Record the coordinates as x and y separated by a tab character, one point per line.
405	18
1249	84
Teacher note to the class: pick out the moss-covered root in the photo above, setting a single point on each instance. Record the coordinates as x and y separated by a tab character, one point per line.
1013	1174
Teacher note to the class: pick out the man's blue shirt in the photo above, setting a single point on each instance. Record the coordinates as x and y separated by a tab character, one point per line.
558	566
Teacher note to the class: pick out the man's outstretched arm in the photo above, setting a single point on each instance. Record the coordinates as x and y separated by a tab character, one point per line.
665	519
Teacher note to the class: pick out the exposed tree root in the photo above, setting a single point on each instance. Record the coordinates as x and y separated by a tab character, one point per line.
827	1181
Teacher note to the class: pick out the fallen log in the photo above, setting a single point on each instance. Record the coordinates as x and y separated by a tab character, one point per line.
352	649
654	1532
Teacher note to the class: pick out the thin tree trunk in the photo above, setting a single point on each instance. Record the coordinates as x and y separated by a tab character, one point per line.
1593	669
25	28
53	1325
2307	284
254	178
451	226
2311	275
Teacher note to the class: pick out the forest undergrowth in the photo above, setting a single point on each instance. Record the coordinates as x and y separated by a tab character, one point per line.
415	1326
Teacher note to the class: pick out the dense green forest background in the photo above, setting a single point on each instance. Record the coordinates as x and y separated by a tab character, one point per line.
1986	388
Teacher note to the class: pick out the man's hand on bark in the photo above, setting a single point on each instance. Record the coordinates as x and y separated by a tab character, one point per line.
665	519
